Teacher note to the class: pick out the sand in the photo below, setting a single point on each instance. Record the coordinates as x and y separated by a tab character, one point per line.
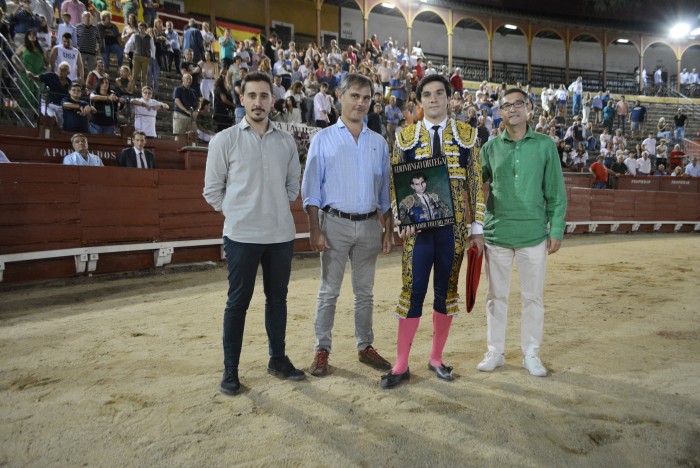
123	371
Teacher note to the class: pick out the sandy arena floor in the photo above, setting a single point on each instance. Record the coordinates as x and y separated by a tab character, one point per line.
124	372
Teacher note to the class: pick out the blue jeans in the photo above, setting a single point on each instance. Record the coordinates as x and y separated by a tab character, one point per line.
679	135
621	120
239	113
116	50
101	130
577	104
242	260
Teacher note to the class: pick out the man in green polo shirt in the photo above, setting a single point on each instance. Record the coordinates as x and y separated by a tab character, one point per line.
524	221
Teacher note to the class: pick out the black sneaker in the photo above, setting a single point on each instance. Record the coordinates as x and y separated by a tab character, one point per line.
230	385
283	368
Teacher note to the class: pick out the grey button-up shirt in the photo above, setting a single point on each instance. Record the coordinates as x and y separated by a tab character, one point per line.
252	180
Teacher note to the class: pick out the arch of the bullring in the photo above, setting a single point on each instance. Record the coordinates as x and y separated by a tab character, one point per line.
451	18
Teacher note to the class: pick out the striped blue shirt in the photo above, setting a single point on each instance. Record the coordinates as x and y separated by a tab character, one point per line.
348	176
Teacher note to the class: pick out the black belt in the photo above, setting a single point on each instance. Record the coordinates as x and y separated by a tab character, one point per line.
350	216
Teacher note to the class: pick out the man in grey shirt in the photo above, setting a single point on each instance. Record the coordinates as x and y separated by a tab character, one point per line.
252	176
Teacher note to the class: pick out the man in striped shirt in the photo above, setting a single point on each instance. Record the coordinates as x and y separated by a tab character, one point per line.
88	41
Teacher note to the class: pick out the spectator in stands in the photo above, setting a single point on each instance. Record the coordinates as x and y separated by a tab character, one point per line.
67	53
662	130
676	157
238	94
186	107
22	21
124	85
605	137
30	58
192	39
95	76
76	111
677	171
644	164
631	164
562	96
80	155
296	90
649	144
173	52
638	115
619	141
597	107
693	168
137	156
130	28
619	167
456	82
145	110
43	35
293	113
109	38
609	115
144	50
397	85
661	170
680	120
579	157
130	7
66	27
162	43
106	104
600	173
210	71
88	40
322	107
224	105
278	91
661	152
59	86
576	88
149	12
227	49
189	66
586	108
621	110
392	115
208	37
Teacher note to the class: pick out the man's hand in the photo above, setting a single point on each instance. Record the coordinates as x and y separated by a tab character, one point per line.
553	245
388	241
478	241
404	232
318	241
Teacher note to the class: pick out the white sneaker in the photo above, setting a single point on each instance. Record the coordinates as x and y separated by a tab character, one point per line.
534	366
491	361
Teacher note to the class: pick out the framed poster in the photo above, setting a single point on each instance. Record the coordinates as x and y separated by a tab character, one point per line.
423	195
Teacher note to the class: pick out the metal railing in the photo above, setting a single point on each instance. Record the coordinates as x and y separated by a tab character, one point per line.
20	97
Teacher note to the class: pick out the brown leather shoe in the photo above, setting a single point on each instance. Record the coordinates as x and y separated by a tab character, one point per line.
371	357
319	367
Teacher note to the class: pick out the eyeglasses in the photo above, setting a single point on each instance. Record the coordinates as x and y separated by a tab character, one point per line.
517	104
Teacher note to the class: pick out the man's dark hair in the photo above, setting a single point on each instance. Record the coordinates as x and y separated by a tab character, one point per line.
522	92
255	76
430	79
67	35
139	132
419	175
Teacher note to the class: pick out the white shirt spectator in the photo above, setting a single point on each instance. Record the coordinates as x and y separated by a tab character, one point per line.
649	145
644	165
631	164
322	102
145	116
692	170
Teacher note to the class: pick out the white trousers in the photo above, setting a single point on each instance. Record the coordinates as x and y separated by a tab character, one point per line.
532	263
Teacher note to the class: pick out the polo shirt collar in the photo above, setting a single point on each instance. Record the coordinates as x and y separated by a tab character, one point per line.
528	134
